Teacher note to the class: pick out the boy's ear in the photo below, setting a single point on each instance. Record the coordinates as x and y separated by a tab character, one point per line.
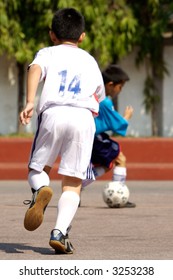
82	36
53	37
110	83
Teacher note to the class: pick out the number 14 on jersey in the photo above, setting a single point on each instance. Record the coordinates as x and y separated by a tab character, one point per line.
73	86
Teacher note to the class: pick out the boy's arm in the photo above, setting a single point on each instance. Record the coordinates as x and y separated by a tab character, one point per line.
33	79
110	119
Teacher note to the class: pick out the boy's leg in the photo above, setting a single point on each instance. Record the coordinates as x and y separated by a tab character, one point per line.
68	202
67	207
119	174
119	171
42	193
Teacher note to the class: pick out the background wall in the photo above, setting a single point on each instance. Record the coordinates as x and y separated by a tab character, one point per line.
132	93
8	96
168	94
140	124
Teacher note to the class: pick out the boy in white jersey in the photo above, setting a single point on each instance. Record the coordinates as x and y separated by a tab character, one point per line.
73	88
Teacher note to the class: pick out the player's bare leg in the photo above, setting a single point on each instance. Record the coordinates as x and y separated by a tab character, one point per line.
120	160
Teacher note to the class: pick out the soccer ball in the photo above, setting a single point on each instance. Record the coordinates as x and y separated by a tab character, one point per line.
115	194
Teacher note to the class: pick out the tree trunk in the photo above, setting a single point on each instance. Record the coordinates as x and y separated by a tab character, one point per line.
158	88
21	94
157	114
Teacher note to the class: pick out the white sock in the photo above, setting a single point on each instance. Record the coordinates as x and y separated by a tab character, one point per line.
119	174
98	171
67	207
38	179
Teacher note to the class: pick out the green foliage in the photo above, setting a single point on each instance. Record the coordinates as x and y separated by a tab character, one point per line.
153	17
24	27
113	28
110	27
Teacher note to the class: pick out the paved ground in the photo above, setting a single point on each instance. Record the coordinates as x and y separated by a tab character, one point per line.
98	232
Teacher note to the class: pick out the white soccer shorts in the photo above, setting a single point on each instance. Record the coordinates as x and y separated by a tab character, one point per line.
67	132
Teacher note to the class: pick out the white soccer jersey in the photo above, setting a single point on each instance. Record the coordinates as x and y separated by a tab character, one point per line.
71	77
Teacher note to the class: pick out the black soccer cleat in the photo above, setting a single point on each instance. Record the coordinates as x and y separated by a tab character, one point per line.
60	242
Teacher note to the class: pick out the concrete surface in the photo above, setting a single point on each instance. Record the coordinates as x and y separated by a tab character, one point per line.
98	232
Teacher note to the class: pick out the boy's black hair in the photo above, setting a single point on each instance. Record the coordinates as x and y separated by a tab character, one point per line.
68	24
113	73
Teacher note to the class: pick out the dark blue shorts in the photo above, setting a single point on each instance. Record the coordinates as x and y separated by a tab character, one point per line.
105	150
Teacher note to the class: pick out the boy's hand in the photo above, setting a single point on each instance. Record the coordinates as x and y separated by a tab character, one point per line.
27	113
128	112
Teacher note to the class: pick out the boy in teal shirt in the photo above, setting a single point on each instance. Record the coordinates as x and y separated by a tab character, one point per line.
106	153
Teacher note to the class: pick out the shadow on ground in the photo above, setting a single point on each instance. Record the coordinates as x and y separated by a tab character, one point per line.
13	248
